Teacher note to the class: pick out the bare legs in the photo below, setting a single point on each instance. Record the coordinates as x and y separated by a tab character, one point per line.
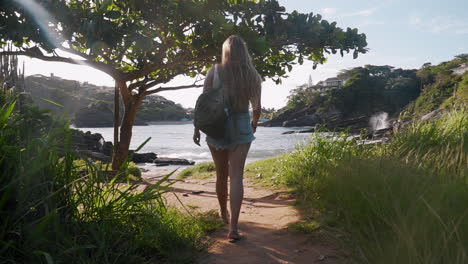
221	160
230	162
236	172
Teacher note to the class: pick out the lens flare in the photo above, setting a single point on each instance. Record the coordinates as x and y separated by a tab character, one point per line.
44	19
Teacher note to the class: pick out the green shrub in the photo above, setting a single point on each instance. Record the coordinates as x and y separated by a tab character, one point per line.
266	172
440	145
400	203
55	209
134	170
396	213
131	170
306	167
202	170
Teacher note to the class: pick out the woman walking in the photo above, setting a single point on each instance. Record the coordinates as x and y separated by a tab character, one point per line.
242	84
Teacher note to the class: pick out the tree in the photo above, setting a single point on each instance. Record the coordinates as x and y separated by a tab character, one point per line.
463	56
144	44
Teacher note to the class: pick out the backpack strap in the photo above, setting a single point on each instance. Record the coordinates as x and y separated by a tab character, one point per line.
218	84
216	78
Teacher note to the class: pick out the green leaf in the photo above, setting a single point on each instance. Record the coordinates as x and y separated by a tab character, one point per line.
5	114
50	101
47	256
112	14
105	5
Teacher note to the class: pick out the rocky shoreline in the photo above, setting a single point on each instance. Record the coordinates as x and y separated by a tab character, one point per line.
362	126
93	146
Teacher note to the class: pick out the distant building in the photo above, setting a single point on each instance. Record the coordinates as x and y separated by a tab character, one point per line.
323	86
334	82
461	69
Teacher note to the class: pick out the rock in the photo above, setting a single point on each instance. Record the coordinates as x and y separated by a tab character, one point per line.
288	115
382	132
143	157
91	144
107	148
173	161
311	130
307	120
432	115
95	155
87	141
353	125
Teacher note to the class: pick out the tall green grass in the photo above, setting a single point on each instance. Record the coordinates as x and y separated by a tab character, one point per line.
306	168
395	213
55	211
440	145
404	202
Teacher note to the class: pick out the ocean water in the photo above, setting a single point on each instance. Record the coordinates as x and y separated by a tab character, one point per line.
174	140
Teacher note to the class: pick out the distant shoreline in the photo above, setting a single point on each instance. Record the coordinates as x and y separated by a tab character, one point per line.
169	122
148	124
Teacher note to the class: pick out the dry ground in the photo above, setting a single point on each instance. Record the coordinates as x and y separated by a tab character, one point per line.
264	218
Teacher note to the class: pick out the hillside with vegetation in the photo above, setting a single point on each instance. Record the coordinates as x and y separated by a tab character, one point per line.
441	88
89	105
372	89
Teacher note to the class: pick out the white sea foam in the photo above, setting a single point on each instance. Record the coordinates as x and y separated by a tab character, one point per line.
379	121
203	156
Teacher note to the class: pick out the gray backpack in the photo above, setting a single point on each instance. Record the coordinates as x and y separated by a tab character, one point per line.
211	111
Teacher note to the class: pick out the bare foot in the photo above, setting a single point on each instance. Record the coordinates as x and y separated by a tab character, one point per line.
225	217
234	236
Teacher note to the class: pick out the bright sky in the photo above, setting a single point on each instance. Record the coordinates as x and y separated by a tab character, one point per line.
400	33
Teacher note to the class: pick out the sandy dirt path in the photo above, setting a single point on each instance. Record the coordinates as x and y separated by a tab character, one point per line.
264	217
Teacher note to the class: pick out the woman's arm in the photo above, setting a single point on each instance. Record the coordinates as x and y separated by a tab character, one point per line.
257	110
255	118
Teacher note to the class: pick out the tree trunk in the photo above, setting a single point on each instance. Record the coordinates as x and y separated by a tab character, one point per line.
121	150
116	113
131	104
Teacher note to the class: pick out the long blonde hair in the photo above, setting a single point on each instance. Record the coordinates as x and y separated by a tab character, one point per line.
239	74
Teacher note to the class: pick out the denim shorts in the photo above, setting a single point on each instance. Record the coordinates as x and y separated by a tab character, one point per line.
238	130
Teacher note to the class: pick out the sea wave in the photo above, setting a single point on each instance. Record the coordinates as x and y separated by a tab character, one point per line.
203	156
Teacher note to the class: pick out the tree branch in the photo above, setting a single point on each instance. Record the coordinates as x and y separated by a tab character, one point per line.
74	52
153	82
162	89
97	65
155	66
138	83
